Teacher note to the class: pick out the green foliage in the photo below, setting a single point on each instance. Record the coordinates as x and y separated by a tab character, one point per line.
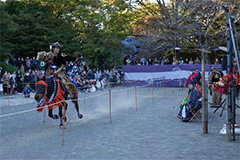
8	67
37	23
7	29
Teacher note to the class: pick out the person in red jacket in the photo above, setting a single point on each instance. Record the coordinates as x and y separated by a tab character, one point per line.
191	77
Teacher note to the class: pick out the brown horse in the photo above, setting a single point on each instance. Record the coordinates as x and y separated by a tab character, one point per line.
52	93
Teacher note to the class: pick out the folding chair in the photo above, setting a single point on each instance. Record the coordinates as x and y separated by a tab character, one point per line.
196	112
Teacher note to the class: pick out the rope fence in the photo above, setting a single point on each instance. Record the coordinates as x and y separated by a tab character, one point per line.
97	95
159	82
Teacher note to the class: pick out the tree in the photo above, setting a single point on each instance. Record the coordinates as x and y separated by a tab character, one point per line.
185	24
101	24
7	29
34	28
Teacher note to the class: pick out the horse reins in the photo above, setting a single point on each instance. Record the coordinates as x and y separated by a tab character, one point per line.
45	94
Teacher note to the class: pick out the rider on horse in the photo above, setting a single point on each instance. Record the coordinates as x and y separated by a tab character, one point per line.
55	61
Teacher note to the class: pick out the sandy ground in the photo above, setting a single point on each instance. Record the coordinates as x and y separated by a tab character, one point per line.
149	131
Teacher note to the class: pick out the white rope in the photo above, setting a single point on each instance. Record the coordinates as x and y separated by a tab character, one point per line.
34	109
54	104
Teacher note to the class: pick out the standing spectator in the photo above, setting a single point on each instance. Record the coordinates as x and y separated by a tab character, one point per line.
97	75
1	75
197	61
181	61
75	67
19	78
155	61
83	75
22	65
150	62
69	67
28	63
19	63
33	65
167	61
77	77
191	77
13	82
216	61
198	77
90	74
6	78
27	77
190	61
216	96
143	61
32	79
219	71
128	61
5	83
163	61
15	62
187	62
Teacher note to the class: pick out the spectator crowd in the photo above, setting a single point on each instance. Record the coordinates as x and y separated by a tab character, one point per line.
131	60
31	70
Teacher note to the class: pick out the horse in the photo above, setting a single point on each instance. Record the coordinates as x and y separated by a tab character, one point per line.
52	92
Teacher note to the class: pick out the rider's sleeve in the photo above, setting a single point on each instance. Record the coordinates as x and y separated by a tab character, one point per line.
44	56
67	58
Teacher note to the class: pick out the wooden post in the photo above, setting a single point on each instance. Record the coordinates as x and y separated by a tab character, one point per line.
164	88
8	95
139	86
84	99
204	95
110	106
136	96
153	93
64	114
44	115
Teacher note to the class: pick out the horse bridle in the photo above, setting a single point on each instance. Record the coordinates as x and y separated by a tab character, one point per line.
45	93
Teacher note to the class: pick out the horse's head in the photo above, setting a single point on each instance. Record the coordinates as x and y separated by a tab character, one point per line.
40	89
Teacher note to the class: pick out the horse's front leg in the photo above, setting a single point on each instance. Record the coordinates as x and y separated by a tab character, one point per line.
61	114
50	114
75	101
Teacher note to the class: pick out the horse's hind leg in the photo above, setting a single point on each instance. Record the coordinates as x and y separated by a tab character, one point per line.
50	114
61	114
75	101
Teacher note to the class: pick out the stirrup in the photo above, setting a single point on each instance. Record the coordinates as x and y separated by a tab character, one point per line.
70	96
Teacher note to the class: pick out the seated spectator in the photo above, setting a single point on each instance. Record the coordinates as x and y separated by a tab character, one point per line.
193	102
27	90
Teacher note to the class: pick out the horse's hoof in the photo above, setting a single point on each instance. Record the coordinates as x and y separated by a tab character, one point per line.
80	115
61	126
55	116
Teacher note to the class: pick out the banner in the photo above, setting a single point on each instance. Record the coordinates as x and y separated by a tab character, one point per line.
169	72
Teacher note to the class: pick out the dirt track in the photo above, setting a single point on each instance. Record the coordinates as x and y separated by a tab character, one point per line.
151	132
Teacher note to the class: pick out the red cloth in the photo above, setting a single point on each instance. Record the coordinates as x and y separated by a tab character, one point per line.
199	89
55	101
193	75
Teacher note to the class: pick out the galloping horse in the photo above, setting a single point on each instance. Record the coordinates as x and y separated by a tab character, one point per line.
52	92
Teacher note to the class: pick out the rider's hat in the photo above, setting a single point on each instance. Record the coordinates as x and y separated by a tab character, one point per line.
56	44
